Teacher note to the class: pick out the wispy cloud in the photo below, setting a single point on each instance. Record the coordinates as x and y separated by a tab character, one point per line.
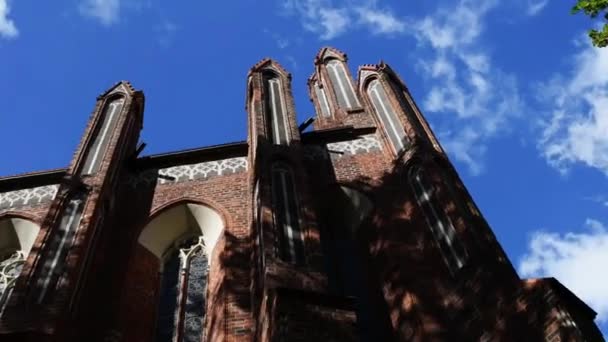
166	32
7	26
330	19
105	11
380	21
578	260
467	89
281	41
536	6
576	127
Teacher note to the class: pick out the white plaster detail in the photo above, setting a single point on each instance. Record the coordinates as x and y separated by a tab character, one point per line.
31	196
188	172
364	144
182	221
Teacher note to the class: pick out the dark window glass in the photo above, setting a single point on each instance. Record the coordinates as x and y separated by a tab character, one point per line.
101	139
286	218
387	115
441	226
166	326
183	292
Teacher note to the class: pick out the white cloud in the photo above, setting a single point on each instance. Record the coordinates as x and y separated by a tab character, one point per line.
578	260
576	129
333	22
106	11
380	22
481	98
7	26
330	19
535	6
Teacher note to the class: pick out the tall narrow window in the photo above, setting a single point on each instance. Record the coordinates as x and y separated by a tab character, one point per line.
450	246
260	228
181	310
276	110
387	115
342	86
286	217
103	133
59	244
322	100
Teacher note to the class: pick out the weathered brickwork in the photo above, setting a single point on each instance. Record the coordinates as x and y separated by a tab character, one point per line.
358	230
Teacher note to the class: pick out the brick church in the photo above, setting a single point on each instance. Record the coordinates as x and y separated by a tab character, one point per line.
358	229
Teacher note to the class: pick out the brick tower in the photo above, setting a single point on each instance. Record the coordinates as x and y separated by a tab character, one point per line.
358	230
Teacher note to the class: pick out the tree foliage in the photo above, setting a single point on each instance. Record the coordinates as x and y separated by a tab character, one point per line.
593	8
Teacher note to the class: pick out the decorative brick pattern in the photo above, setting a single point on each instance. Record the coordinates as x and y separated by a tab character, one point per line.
189	172
365	144
27	197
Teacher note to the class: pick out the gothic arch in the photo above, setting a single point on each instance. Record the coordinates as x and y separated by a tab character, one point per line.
180	220
182	236
17	237
17	233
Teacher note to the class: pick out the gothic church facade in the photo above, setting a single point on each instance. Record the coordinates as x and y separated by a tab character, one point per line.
357	230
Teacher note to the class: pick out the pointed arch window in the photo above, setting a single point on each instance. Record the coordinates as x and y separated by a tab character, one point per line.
322	100
286	215
102	134
388	117
17	236
10	268
181	310
440	224
276	111
342	85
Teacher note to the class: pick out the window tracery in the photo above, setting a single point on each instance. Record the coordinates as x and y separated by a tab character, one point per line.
10	268
181	314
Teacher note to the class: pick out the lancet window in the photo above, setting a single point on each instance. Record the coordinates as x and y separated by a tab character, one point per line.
345	93
286	215
388	117
276	110
102	135
322	100
440	224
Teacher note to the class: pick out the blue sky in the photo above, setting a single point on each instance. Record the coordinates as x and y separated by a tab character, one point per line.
515	92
